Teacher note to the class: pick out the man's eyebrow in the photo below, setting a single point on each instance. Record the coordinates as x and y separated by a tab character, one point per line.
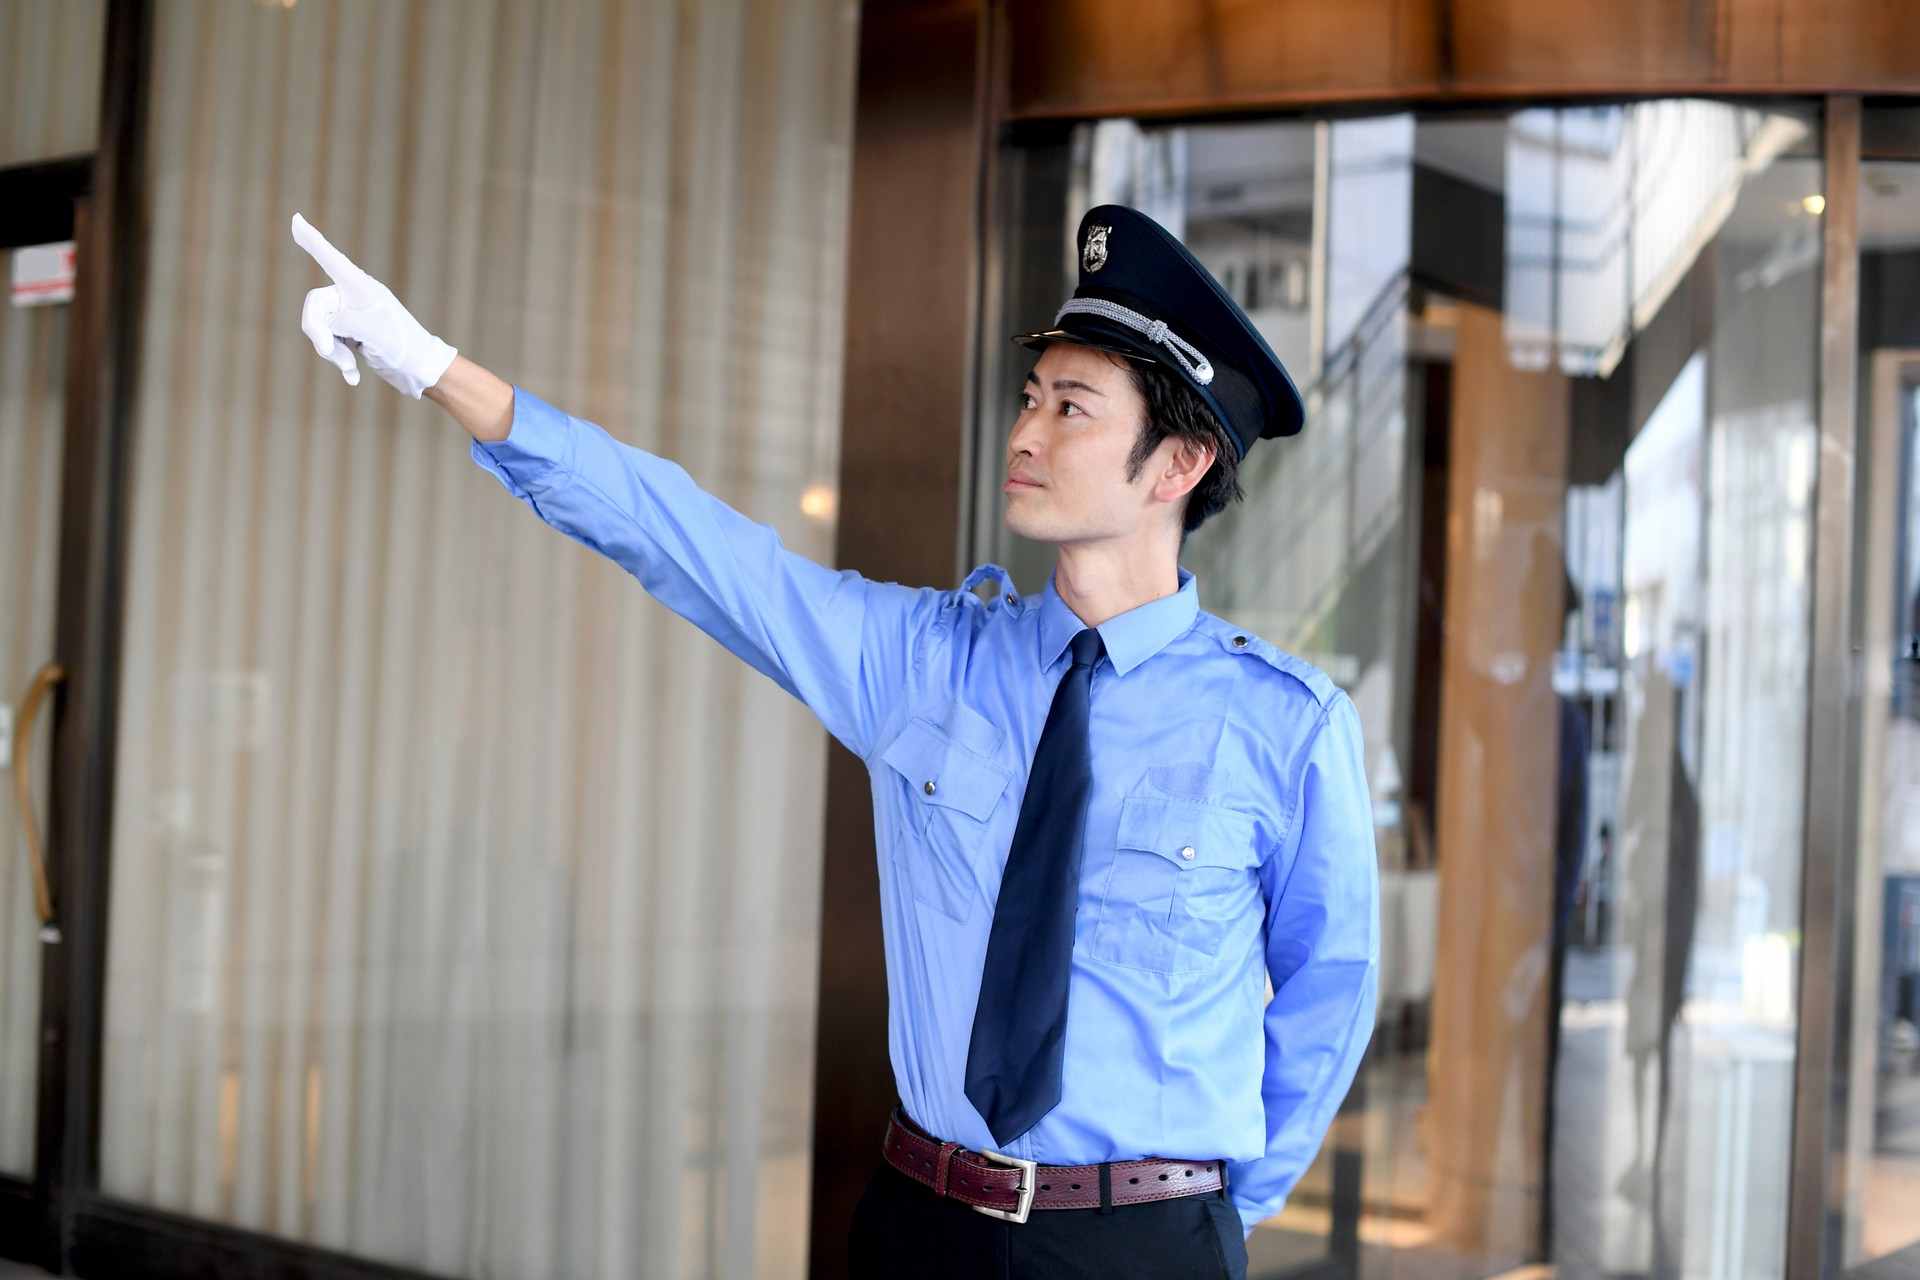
1068	384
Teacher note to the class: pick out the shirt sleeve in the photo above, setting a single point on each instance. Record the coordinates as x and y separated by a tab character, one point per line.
1323	954
838	642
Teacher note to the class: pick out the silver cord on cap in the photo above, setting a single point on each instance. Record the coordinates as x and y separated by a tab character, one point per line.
1184	353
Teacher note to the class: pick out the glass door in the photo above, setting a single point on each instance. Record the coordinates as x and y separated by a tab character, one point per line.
1548	524
50	58
49	83
42	209
1878	1060
33	358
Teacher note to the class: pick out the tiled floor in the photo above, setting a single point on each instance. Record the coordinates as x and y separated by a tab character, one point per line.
1904	1265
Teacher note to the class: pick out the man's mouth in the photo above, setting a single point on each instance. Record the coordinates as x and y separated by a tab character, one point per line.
1016	482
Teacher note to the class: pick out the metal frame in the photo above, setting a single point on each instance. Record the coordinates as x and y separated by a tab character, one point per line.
39	203
87	627
1813	1208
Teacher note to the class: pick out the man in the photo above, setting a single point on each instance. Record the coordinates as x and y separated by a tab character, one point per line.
1105	819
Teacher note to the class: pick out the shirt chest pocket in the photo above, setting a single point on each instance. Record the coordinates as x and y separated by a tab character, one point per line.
1184	878
952	791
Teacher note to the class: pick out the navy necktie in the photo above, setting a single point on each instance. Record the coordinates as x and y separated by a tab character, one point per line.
1020	1024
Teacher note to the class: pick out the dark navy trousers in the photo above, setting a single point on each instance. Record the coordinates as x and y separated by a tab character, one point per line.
901	1231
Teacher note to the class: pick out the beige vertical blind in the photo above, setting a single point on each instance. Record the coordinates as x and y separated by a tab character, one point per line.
465	901
50	54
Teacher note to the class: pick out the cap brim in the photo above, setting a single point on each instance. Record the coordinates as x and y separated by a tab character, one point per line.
1046	338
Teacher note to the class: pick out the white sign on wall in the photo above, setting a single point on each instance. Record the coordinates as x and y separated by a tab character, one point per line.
43	274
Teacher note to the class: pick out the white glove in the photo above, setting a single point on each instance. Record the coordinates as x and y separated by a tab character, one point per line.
358	313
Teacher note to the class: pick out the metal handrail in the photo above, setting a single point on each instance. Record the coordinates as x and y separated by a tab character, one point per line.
44	682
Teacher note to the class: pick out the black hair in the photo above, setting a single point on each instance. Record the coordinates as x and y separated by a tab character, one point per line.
1175	409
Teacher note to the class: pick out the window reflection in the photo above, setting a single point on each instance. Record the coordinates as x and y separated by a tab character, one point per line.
1549	525
1878	1169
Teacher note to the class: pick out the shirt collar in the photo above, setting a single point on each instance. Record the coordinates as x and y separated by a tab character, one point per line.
1132	637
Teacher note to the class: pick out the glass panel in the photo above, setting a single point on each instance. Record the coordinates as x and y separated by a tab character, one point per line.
33	363
50	52
439	933
1879	1064
1548	525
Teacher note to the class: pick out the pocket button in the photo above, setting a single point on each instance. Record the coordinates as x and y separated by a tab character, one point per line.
950	824
1165	908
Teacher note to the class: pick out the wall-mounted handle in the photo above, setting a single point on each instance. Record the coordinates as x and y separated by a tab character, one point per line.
43	682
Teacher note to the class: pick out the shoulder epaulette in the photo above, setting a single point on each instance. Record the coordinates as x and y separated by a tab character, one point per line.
1244	643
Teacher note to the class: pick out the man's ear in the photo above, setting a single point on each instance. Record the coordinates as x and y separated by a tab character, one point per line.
1185	465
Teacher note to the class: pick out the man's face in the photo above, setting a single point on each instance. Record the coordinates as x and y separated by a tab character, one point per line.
1067	456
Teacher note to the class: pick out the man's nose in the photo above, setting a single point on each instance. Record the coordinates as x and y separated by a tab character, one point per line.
1022	439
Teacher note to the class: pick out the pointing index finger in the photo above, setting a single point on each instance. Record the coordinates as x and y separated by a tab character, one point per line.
339	268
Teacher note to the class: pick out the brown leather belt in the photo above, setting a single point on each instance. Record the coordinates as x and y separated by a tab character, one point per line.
1006	1187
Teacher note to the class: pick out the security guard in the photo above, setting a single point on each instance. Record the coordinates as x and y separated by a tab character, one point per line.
1105	818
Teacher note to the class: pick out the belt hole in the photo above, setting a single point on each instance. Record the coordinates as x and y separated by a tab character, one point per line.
1163	1177
1189	1173
1046	1186
1073	1186
1134	1181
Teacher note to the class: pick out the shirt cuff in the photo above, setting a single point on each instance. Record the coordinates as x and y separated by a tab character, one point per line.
539	443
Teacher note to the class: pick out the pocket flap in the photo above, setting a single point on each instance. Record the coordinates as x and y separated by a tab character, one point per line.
942	772
1188	834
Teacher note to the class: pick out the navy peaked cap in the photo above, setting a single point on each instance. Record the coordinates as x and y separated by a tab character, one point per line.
1143	296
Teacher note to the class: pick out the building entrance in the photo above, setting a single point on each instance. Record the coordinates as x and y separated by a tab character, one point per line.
1549	524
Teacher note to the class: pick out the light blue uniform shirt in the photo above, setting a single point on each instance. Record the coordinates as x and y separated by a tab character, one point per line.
1229	836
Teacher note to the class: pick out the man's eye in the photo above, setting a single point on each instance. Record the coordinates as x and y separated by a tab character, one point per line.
1068	407
1026	401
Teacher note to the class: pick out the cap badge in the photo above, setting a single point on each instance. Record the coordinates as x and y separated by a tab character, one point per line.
1094	255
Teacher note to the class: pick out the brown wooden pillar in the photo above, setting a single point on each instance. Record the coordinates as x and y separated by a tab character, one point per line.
1484	1127
913	267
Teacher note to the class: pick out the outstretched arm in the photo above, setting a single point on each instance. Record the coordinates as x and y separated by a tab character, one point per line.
839	643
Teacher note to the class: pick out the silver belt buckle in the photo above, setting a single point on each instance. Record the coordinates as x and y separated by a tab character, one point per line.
1029	1175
